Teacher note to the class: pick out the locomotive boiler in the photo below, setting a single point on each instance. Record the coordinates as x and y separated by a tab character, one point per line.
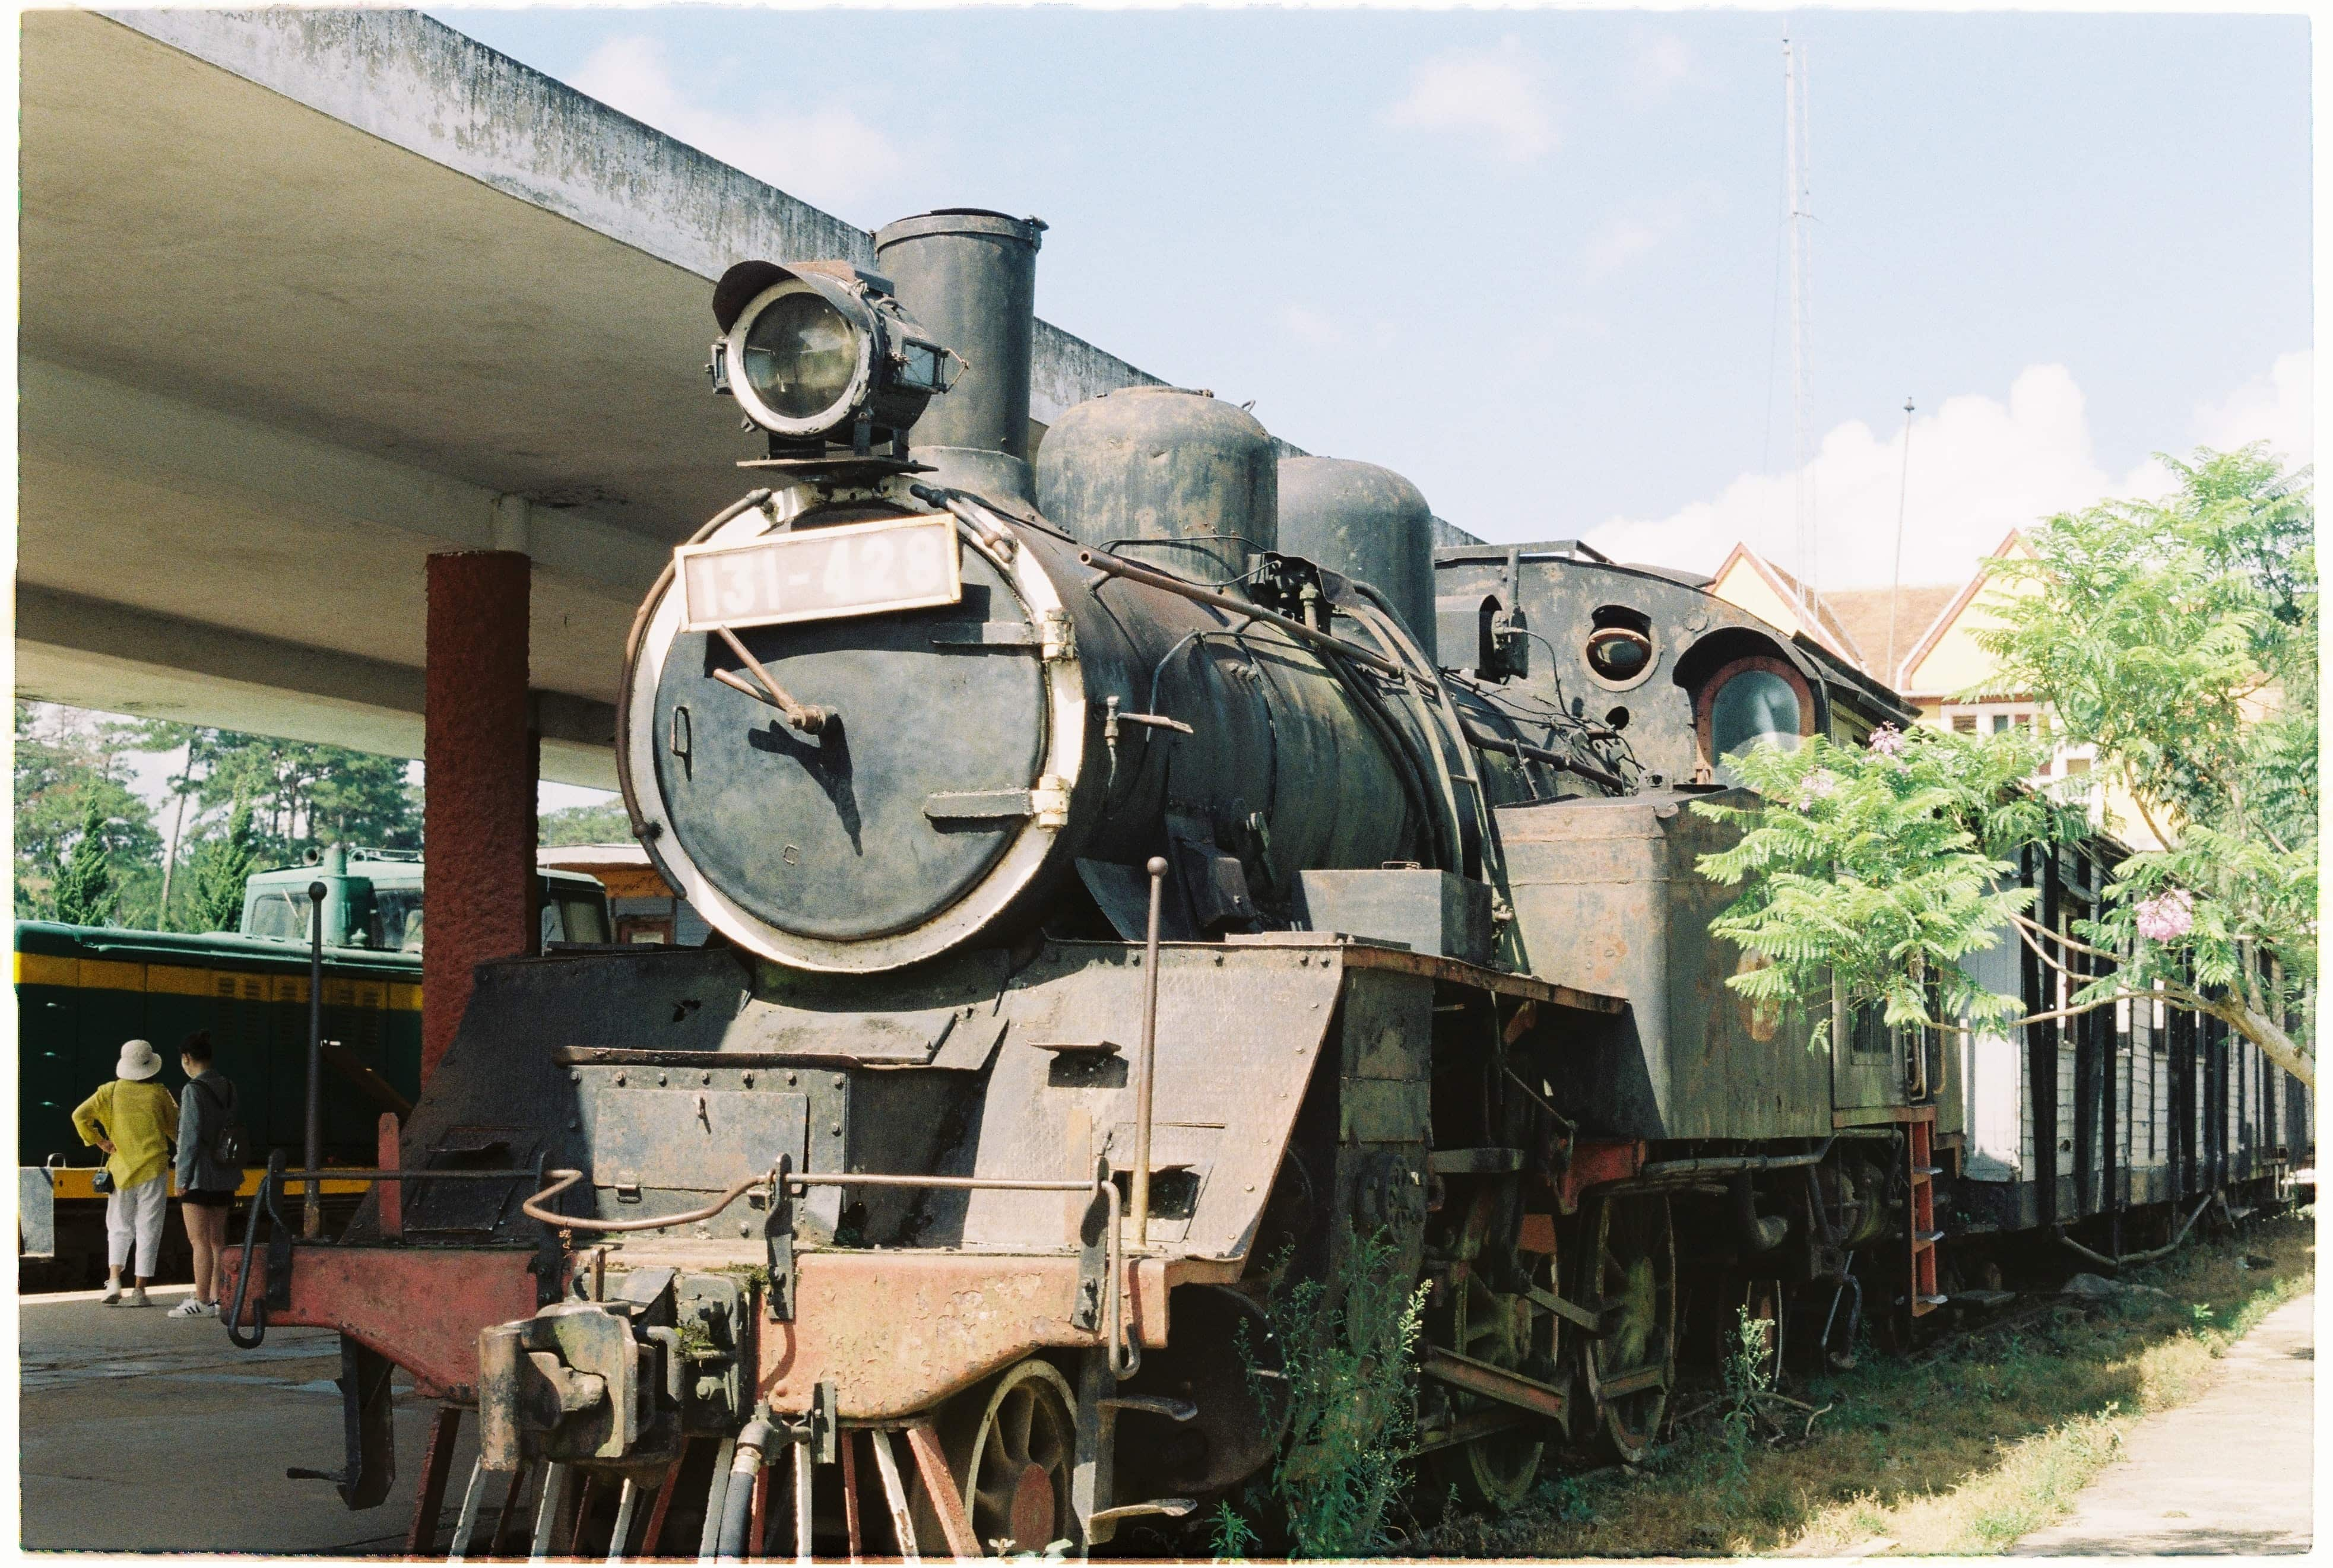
1143	876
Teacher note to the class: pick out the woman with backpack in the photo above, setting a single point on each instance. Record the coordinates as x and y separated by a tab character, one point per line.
132	1119
210	1167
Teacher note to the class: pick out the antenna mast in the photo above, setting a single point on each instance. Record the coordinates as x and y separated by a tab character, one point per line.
1800	208
1895	583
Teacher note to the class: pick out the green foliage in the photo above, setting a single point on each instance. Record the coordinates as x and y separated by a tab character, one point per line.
216	873
604	824
303	795
2177	637
2180	638
1748	1376
249	801
85	894
69	774
1231	1536
1879	869
1346	1352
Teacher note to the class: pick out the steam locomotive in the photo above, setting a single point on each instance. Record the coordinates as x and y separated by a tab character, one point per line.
1147	873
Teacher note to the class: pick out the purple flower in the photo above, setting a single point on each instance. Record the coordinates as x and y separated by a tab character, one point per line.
2167	916
1819	785
1888	740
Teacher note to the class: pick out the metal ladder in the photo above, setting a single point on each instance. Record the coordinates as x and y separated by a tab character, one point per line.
1920	1218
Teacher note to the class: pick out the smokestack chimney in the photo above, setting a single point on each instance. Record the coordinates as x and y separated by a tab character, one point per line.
969	277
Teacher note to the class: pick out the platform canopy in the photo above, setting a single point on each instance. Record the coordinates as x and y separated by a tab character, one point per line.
309	295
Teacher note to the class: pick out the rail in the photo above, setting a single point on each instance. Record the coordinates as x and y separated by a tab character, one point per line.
1556	759
1102	561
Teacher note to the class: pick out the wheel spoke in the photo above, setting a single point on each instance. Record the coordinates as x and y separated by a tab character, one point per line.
1024	1419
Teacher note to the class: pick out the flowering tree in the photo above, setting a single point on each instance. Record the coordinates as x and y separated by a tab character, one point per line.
1878	870
2177	637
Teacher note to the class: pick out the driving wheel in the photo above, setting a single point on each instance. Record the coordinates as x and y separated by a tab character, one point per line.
1502	1329
1631	1273
1015	1462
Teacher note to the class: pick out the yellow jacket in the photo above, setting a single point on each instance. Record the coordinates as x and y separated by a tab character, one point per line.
140	1118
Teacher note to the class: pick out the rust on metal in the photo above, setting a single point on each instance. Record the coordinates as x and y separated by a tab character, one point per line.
1364	956
898	1331
1494	1382
940	1488
422	1308
391	1211
429	1499
1594	1161
851	1535
654	1535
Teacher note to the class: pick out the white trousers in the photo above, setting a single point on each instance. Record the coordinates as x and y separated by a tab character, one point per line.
135	1214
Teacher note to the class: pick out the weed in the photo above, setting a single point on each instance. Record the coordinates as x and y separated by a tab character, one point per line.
1964	1449
1232	1536
1748	1380
1346	1350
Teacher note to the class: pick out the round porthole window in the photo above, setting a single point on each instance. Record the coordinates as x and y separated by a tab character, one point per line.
1753	702
1619	649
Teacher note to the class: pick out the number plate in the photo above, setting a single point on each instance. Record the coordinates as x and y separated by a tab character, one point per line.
853	569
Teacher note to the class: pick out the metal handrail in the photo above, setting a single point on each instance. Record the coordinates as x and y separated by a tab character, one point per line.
1126	1357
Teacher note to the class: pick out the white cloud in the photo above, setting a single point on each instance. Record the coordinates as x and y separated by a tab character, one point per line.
2279	408
822	153
1980	466
1498	92
1657	62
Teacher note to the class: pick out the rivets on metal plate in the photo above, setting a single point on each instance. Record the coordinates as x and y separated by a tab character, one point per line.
663	1078
620	1080
574	1078
790	1079
704	1077
748	1080
835	1130
841	1080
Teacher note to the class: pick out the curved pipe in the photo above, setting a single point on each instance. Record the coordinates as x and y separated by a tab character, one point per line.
737	1502
263	1197
2117	1264
563	1180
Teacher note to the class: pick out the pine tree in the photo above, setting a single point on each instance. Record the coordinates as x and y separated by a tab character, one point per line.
218	870
85	886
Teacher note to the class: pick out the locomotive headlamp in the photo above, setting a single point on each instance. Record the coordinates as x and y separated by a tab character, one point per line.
815	351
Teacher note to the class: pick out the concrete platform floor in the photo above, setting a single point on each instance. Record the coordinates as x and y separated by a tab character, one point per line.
141	1432
2228	1475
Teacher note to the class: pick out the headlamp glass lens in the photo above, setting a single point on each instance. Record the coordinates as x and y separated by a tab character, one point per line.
800	356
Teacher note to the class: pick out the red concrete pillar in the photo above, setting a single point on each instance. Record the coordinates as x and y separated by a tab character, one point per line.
479	813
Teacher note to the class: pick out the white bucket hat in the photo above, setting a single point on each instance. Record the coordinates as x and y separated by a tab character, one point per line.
138	1060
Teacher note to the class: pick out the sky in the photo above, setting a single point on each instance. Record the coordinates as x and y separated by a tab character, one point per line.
1532	260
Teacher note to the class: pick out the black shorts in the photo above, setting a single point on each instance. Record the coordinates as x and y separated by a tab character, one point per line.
207	1196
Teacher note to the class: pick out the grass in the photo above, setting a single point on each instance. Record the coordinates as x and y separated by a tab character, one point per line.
1958	1453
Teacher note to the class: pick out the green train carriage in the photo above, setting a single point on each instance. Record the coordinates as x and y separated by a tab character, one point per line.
81	991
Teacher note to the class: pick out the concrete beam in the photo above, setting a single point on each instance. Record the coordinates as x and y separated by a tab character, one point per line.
92	422
418	84
118	659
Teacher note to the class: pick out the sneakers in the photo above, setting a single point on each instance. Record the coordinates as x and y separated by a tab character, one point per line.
138	1298
113	1296
190	1307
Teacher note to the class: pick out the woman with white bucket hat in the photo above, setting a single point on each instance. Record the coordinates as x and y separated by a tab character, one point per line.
134	1120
